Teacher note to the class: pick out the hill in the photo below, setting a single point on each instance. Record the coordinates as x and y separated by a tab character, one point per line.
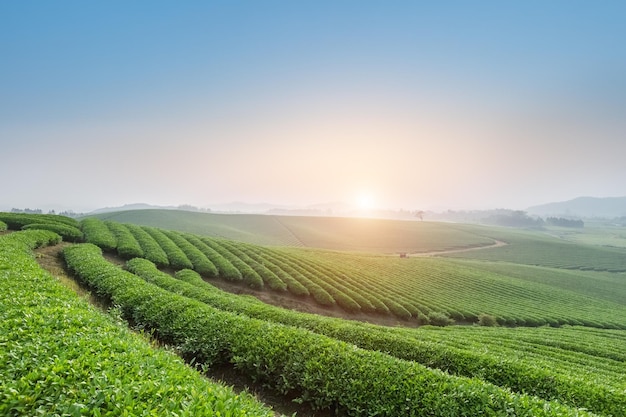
585	207
336	233
556	348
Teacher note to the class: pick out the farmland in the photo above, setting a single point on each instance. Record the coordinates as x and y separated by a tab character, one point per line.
345	234
556	310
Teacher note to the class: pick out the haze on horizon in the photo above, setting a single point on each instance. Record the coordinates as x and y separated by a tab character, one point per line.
408	104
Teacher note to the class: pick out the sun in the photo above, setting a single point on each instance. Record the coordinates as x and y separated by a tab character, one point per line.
365	201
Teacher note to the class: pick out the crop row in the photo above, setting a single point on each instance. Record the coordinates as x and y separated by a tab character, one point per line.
465	291
537	376
66	227
61	357
547	251
325	372
426	290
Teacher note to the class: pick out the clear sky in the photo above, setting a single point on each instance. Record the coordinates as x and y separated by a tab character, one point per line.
405	104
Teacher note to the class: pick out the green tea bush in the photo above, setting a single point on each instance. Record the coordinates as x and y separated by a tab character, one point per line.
3	226
533	378
15	221
189	276
284	272
61	357
199	260
437	318
269	277
127	246
150	248
248	275
487	320
325	372
225	269
68	233
97	232
177	258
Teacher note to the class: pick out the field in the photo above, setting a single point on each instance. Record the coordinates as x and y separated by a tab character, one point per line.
345	234
533	326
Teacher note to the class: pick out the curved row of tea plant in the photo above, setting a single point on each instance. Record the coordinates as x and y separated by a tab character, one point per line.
151	249
247	274
66	227
325	372
61	357
465	291
175	255
476	352
97	232
225	269
534	249
127	246
427	290
198	259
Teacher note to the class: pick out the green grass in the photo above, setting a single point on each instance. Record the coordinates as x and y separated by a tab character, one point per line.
598	233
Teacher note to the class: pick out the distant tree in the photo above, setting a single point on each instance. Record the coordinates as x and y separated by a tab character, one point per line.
513	218
420	214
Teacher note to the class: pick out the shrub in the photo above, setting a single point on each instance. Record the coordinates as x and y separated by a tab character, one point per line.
98	233
437	318
487	320
61	357
68	233
323	371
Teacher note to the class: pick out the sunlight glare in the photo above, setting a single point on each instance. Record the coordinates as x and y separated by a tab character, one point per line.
365	201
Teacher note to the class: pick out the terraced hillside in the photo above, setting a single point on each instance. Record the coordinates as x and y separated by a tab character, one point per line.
61	356
416	290
338	233
558	350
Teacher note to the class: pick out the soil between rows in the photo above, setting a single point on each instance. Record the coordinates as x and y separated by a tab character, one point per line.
51	260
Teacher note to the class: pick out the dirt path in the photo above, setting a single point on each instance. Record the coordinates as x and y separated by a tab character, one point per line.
495	244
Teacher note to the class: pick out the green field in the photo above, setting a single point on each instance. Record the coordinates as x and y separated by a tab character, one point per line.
346	234
555	306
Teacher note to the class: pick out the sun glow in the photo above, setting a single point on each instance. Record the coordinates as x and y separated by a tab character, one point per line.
365	201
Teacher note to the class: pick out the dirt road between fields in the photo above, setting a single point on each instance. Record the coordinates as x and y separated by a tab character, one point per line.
495	244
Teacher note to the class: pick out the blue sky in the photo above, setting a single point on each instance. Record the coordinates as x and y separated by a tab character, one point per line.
432	105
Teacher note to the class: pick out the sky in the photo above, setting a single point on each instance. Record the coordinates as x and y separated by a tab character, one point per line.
404	104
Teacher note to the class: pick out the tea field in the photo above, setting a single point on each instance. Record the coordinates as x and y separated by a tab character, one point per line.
536	327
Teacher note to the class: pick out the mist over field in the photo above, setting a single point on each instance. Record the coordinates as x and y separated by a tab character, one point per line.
413	105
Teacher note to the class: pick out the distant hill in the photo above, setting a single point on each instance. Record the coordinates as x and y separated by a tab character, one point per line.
585	207
337	233
127	207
